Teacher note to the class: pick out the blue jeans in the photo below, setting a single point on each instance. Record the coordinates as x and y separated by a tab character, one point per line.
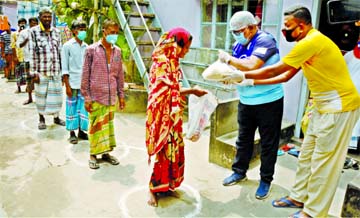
267	117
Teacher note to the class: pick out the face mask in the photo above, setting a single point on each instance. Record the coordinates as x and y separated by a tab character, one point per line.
81	35
287	34
111	38
240	38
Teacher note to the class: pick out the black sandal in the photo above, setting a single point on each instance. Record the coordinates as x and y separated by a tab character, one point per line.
110	159
73	139
59	121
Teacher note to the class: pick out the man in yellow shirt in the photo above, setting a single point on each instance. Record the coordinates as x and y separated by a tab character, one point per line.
336	110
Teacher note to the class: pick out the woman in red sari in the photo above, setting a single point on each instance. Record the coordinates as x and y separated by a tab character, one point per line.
164	113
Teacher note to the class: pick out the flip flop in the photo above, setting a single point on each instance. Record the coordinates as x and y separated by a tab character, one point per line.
42	125
287	147
285	203
110	159
299	214
280	152
93	164
294	152
73	139
59	121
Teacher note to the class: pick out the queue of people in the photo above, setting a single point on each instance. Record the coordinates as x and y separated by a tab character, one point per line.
94	83
45	65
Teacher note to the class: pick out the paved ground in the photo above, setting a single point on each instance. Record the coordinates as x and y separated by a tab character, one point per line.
42	175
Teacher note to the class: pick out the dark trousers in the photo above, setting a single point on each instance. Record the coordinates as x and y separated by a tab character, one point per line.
267	117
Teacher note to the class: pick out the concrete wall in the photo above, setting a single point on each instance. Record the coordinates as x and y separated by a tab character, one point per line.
187	13
293	87
180	13
10	10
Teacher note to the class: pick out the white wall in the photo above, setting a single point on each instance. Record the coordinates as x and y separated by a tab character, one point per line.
293	87
180	13
10	10
186	13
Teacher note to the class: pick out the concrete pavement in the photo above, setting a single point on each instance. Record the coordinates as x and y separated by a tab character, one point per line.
43	175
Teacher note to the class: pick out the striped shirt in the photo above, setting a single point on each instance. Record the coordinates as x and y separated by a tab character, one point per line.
6	39
45	52
101	81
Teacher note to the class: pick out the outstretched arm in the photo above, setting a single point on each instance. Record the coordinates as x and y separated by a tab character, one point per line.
284	77
272	71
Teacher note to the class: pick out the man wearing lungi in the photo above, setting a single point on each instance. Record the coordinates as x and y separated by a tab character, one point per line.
72	58
24	42
102	85
18	53
45	67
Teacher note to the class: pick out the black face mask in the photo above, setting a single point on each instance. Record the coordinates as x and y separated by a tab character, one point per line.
287	34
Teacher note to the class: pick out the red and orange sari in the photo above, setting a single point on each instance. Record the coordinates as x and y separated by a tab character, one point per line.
164	117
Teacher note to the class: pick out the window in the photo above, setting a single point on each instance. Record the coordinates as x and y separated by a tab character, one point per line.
215	18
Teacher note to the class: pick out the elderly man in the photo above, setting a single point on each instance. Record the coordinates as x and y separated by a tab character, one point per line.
337	108
45	67
259	106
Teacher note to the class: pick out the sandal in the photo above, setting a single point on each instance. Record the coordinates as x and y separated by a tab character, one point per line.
82	135
59	121
73	139
93	164
300	214
285	203
294	152
110	159
42	125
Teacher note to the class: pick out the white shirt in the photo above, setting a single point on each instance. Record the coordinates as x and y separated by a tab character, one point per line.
353	64
25	34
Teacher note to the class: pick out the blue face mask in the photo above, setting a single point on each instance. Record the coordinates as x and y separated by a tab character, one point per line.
81	35
240	38
111	38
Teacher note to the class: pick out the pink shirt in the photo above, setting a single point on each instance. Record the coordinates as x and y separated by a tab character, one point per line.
101	81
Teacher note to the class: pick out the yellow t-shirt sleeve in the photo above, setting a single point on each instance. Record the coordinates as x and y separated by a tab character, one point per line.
301	52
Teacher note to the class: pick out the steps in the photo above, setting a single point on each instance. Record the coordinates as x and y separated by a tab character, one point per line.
142	30
224	131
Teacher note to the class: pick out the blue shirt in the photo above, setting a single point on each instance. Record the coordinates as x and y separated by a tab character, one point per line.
72	59
263	46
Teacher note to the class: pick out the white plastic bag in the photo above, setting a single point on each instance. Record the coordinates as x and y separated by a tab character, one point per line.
217	71
200	109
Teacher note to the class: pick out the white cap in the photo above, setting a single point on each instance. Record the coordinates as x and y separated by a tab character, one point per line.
241	19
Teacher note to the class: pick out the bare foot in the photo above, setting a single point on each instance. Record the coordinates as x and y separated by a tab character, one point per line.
152	199
27	102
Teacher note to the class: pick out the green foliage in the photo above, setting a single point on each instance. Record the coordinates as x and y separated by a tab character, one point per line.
69	10
122	43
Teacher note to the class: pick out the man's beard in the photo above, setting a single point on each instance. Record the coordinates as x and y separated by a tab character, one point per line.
46	26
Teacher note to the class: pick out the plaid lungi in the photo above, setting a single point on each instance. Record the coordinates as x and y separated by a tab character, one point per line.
101	128
20	74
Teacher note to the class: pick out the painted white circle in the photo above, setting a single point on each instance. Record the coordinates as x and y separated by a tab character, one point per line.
194	193
123	154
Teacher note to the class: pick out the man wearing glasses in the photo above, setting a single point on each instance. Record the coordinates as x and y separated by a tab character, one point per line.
259	106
